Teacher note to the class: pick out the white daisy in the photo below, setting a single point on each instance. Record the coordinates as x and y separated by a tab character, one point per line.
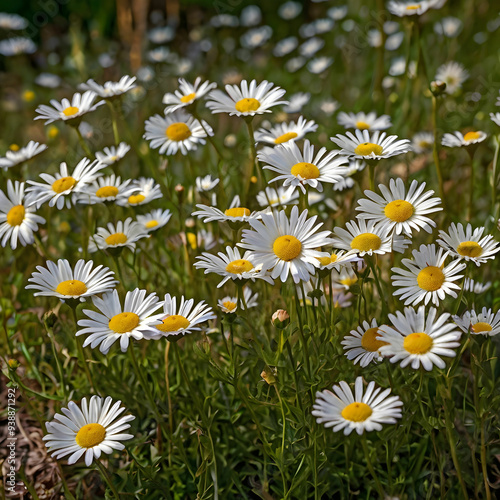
271	197
422	142
137	319
143	191
232	266
68	111
495	118
449	26
428	278
284	132
363	121
362	346
176	131
180	320
235	213
17	45
375	147
187	94
18	222
363	237
63	188
348	182
230	304
204	184
12	22
297	100
246	99
469	244
154	220
61	281
286	245
319	64
110	89
339	260
285	46
302	168
473	286
106	188
400	211
360	412
124	234
203	239
457	139
418	338
403	9
91	431
453	74
485	323
13	158
113	154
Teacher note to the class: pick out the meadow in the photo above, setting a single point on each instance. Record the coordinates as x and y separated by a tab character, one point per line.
250	250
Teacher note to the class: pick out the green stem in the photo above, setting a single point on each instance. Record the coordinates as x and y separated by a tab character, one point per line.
62	381
81	352
301	329
370	467
83	144
107	479
471	190
484	463
114	121
494	177
435	153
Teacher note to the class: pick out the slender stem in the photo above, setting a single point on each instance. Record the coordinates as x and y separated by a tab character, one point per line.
494	177
484	463
471	189
62	381
435	153
114	121
379	69
107	479
167	381
370	467
81	352
371	170
83	144
301	329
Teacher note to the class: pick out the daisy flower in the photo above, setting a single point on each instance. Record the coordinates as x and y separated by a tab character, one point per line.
361	411
88	431
124	234
12	22
427	278
485	323
363	121
144	190
298	168
61	281
469	244
474	286
365	147
17	45
62	188
418	338
230	304
106	188
422	142
68	111
362	346
113	154
187	94
180	320
176	131
495	118
13	158
347	181
154	220
344	277
284	132
403	9
246	99
137	319
286	245
400	211
110	89
271	197
458	140
297	101
18	222
453	74
235	213
363	237
231	266
339	260
206	183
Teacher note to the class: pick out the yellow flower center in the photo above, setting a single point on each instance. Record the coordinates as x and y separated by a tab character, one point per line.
237	212
287	247
15	215
356	412
191	237
430	278
230	306
136	198
188	98
70	111
362	125
324	261
481	327
285	137
14	147
471	136
349	281
417	343
116	239
107	192
178	132
413	7
124	322
152	223
398	210
247	105
90	435
365	242
63	184
53	132
369	340
367	148
305	170
469	249
239	266
173	323
28	95
71	287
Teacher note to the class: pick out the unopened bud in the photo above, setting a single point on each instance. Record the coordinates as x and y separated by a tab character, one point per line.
49	319
269	375
13	364
280	319
438	87
179	188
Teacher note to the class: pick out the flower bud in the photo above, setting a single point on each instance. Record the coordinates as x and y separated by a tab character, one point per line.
280	319
269	375
438	87
14	364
